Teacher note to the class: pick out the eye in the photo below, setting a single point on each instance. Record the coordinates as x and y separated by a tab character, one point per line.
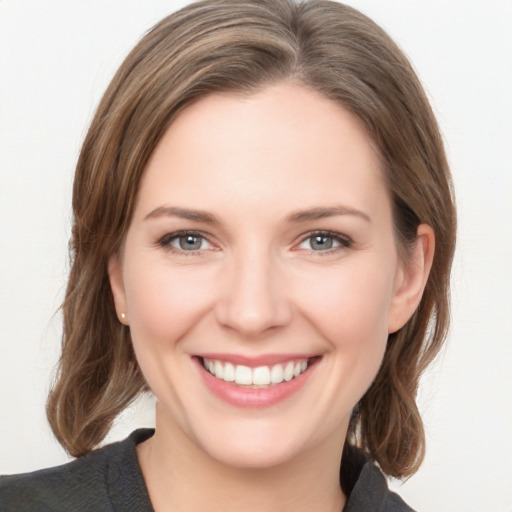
185	241
323	241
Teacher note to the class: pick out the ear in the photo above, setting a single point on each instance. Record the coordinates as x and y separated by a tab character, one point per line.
411	279
115	276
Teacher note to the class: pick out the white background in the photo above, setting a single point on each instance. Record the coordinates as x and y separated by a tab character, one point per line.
56	58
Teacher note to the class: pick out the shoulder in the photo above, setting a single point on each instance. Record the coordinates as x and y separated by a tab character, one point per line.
366	485
79	483
371	492
90	483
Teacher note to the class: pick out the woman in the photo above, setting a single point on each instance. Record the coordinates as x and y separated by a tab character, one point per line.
263	234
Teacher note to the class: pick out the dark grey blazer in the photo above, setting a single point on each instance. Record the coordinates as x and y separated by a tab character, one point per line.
109	480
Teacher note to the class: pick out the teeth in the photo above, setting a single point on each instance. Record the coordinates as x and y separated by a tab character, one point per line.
229	372
276	374
259	376
243	375
288	371
219	369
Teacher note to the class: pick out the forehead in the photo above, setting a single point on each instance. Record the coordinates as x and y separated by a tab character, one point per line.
281	145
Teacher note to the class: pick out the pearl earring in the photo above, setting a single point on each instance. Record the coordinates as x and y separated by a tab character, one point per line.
123	316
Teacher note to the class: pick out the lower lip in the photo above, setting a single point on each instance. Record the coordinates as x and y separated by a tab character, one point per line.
253	397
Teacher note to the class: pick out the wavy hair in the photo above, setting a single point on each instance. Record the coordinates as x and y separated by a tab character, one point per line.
243	46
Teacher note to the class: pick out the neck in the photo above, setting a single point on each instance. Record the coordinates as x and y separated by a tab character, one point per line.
180	476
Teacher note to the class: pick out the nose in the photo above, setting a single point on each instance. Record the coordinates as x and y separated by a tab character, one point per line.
254	298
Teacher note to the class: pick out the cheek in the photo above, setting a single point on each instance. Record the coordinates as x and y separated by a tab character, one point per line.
165	303
350	307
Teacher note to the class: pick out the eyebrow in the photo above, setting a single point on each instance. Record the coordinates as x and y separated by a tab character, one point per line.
322	213
184	213
296	217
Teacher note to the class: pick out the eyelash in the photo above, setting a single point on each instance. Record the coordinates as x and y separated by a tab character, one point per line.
166	240
344	242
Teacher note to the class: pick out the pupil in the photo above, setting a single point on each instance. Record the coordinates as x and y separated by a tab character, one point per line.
190	242
321	242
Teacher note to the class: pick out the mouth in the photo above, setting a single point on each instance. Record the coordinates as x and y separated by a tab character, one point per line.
257	377
255	382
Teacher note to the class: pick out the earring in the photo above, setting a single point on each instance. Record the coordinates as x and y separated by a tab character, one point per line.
123	316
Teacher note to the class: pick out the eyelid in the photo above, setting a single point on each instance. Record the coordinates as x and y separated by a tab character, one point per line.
344	241
165	241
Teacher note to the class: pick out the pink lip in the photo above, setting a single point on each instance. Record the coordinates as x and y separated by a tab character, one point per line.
251	397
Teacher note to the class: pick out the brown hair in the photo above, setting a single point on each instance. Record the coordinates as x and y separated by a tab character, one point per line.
221	45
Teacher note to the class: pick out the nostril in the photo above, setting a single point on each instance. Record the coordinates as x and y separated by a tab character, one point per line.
253	299
253	316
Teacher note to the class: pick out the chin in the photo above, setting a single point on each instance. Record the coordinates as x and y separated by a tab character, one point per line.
248	453
251	442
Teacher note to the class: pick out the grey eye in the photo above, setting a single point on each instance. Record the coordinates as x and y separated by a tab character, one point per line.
325	241
321	242
185	241
190	242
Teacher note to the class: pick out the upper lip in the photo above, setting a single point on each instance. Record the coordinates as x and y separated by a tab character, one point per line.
255	361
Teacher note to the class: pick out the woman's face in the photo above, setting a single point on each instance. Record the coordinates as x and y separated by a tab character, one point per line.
261	248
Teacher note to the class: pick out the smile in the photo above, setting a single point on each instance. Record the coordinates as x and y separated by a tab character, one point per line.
259	376
256	382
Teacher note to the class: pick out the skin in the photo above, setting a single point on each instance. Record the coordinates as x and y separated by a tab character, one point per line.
257	285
